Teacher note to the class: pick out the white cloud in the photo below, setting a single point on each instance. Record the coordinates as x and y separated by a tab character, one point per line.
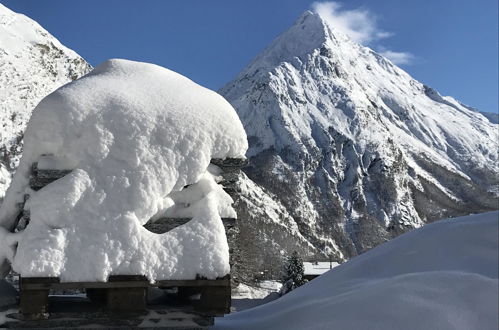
360	25
399	58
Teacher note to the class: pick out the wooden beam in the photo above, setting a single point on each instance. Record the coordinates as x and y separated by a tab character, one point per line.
41	177
163	225
196	283
129	298
47	283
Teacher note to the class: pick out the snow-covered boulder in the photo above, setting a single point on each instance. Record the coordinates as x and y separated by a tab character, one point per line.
135	135
441	276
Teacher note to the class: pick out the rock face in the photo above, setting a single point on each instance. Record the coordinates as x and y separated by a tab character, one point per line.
32	64
348	151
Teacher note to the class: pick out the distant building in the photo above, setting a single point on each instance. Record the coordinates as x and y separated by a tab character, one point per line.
317	268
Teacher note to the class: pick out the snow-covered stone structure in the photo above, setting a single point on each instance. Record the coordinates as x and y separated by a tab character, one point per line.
138	140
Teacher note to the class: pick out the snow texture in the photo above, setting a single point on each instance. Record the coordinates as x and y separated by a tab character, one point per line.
441	276
318	268
32	64
135	135
249	296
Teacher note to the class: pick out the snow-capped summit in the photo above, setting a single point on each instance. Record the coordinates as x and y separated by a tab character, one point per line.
305	36
32	64
351	148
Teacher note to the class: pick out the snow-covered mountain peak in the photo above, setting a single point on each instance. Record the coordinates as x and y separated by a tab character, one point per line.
307	33
16	27
353	147
323	78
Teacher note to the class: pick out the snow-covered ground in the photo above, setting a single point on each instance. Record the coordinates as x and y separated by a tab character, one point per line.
318	268
135	135
248	296
441	276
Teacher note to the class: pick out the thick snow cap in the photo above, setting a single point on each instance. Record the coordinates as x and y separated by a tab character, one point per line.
135	134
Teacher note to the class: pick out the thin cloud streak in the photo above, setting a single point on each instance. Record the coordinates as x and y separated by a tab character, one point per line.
399	58
360	25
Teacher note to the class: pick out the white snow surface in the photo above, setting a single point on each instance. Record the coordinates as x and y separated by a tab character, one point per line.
318	268
259	291
441	276
135	134
32	64
249	296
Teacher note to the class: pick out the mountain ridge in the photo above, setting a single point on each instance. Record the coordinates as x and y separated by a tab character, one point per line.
354	149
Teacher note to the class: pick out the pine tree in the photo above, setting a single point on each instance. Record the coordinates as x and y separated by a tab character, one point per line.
294	276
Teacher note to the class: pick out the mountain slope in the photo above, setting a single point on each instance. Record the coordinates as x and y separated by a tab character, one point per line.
32	64
352	148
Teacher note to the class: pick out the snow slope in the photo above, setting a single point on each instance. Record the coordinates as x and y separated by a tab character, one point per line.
32	64
441	276
352	149
139	139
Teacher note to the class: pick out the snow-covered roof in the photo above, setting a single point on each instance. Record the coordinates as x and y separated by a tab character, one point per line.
318	268
135	134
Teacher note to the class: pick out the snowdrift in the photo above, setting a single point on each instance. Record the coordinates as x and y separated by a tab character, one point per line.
135	135
441	276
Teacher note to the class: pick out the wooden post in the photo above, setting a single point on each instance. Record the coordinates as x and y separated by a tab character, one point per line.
215	300
97	296
185	292
34	303
127	299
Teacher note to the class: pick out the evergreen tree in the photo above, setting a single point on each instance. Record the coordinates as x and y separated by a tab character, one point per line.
294	274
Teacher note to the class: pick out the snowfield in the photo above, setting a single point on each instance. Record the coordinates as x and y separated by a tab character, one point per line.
135	135
441	276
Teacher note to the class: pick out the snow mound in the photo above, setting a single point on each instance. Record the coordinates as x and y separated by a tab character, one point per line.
135	134
441	276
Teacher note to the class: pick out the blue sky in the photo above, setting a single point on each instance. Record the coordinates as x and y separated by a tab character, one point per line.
451	45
